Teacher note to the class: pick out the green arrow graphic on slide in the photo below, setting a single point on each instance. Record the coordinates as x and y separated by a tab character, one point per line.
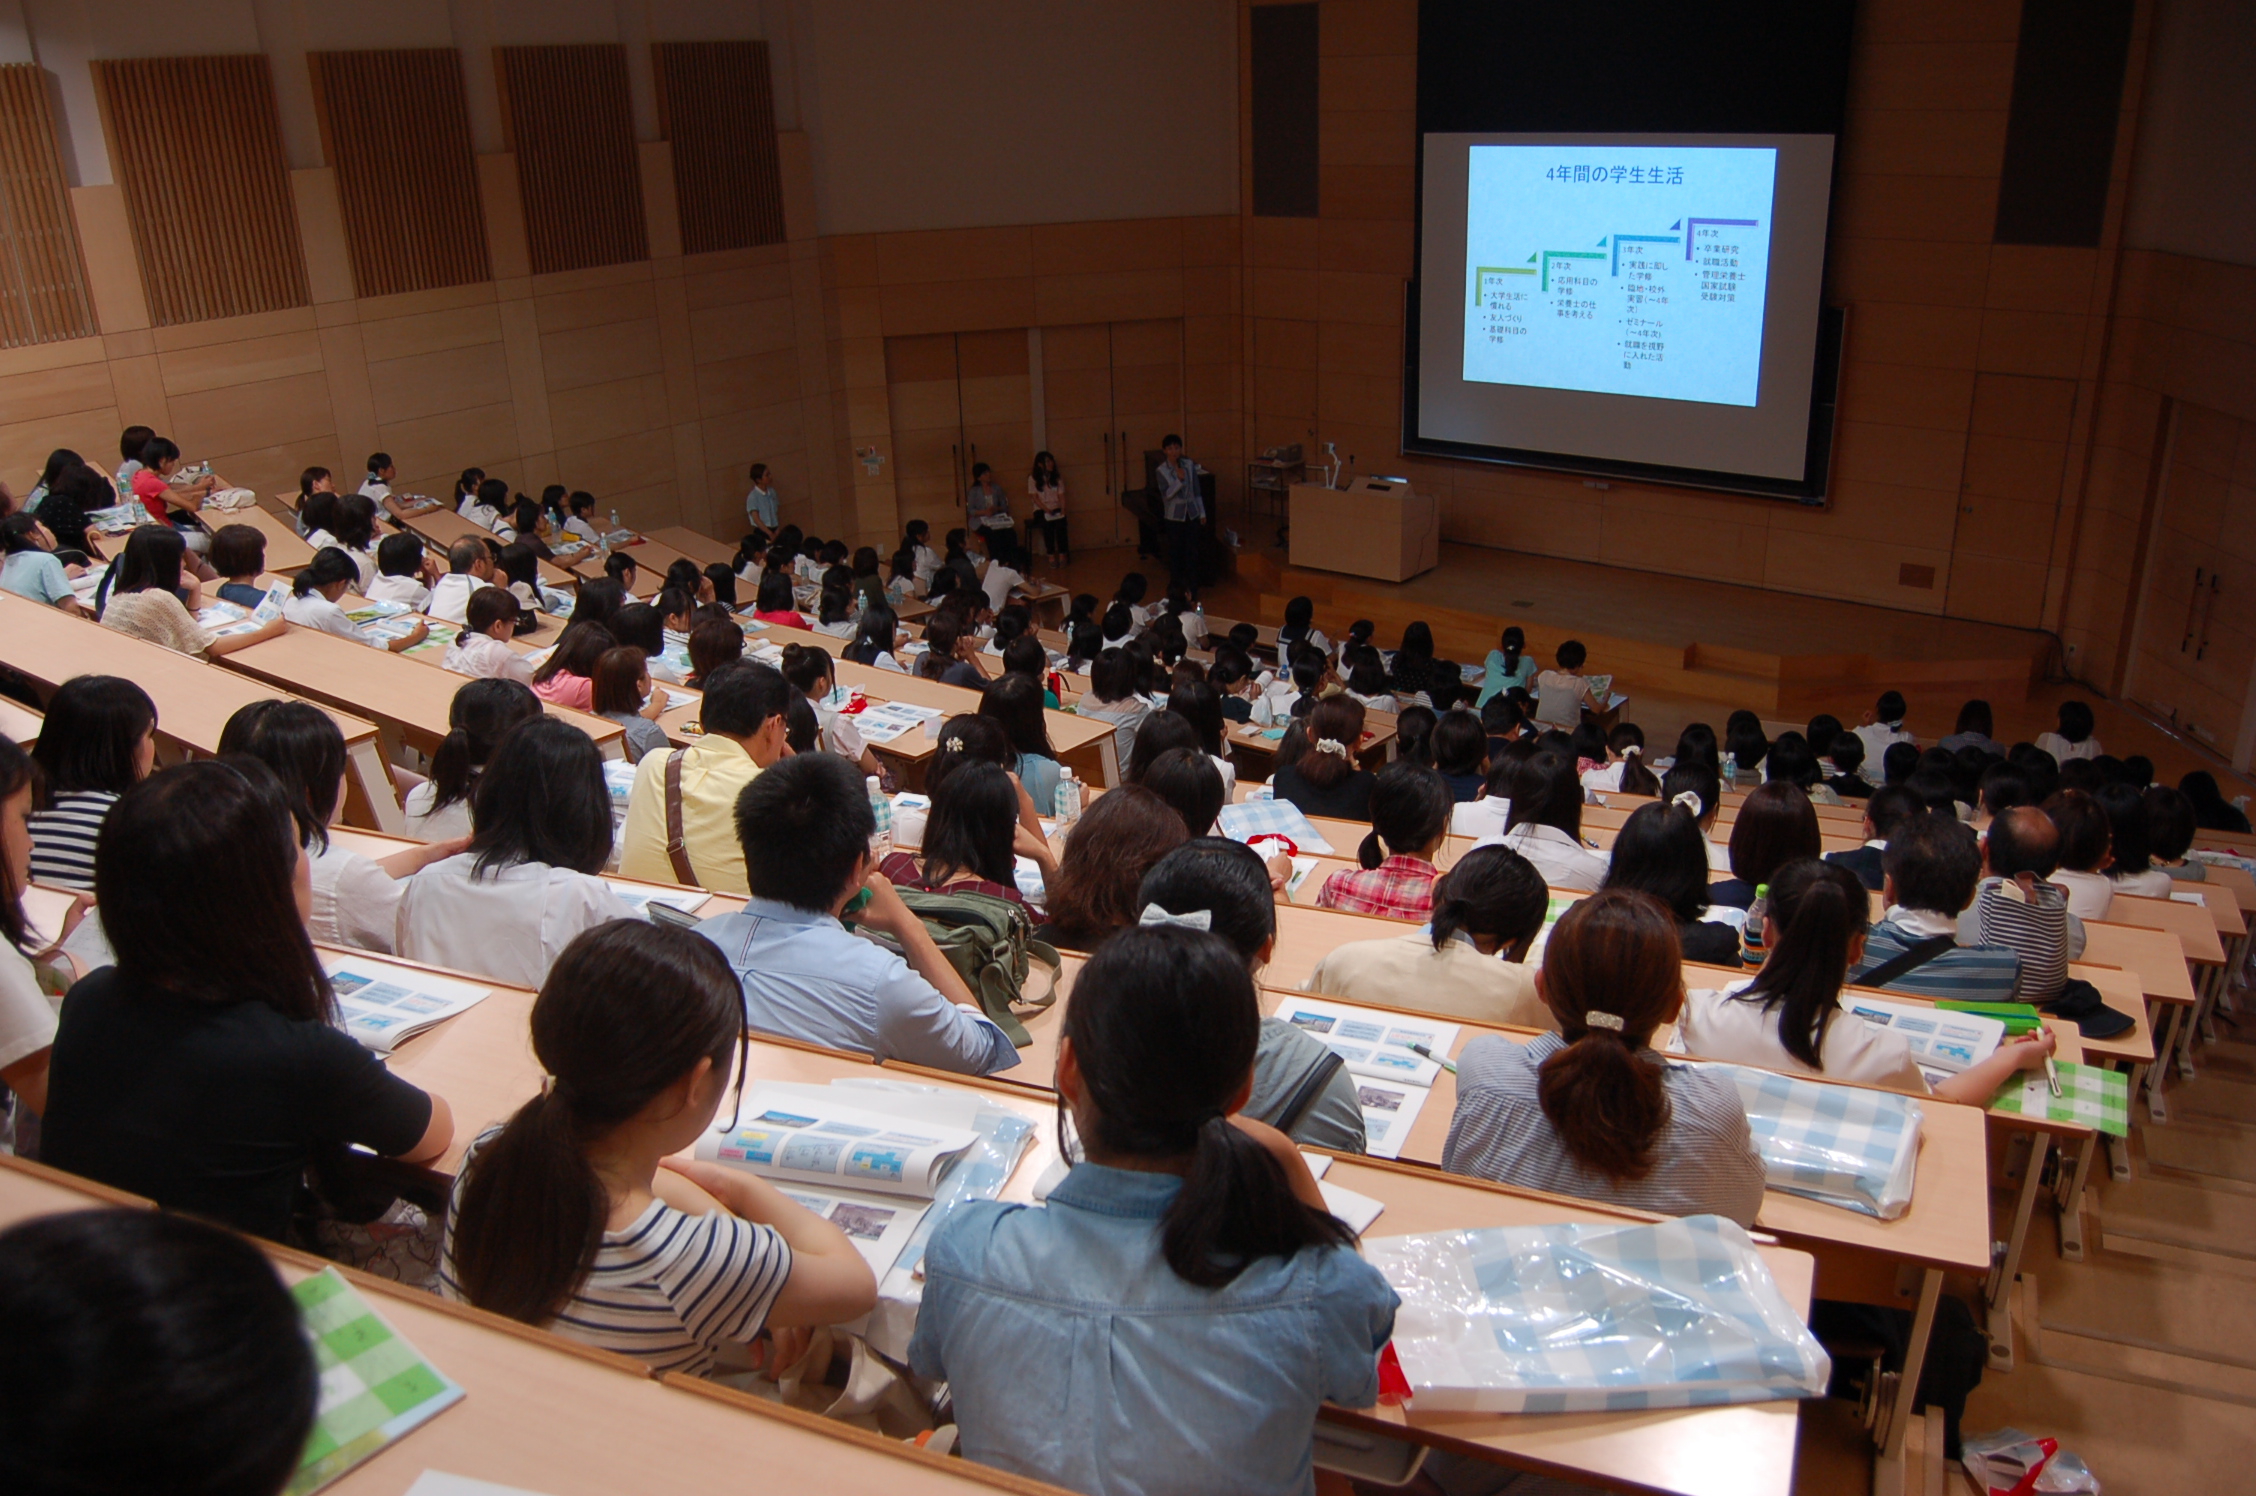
1566	254
1482	271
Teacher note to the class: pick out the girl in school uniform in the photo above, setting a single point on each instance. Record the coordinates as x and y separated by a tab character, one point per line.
480	715
355	898
313	602
1789	1017
312	516
401	575
579	1216
356	533
509	902
98	741
622	694
809	669
206	1068
466	490
238	554
1299	630
140	595
916	539
1487	911
620	568
1592	1110
567	676
1186	1263
481	649
1545	822
875	639
1410	806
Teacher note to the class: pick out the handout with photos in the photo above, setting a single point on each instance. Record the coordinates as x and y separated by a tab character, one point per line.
1942	1043
887	720
380	1002
1391	1079
220	618
803	1134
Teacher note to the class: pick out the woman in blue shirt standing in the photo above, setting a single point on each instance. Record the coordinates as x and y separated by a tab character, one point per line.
1175	1316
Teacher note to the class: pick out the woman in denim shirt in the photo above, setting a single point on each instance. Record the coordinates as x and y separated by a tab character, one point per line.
1172	1320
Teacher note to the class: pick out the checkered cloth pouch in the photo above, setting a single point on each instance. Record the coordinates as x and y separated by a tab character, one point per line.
1252	818
1841	1145
1587	1317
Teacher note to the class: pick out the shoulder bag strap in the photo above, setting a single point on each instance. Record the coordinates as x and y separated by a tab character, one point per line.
1304	1095
677	851
1906	962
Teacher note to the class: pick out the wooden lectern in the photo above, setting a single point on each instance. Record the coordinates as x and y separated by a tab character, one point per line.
1374	527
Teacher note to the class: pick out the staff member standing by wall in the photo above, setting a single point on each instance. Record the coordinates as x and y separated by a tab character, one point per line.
1184	510
761	509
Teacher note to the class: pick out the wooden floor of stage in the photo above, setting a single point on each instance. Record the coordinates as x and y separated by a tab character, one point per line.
1518	588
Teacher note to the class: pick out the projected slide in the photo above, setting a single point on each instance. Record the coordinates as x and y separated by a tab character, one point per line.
1619	270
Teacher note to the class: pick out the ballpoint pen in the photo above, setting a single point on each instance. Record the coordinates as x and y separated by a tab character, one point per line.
2052	1075
1420	1049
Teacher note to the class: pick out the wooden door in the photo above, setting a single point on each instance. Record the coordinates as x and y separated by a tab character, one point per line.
927	411
1077	406
998	412
1147	398
2195	661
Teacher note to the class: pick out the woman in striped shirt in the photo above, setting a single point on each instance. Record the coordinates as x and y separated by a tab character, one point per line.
99	740
576	1215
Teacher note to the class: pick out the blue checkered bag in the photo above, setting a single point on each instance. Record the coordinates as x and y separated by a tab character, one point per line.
1594	1317
1251	818
1842	1145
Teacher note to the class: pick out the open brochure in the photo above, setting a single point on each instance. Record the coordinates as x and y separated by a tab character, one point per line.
1942	1043
640	896
220	619
837	1150
381	1002
1392	1080
886	720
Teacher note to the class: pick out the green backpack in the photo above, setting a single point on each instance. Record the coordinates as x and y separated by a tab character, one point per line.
990	942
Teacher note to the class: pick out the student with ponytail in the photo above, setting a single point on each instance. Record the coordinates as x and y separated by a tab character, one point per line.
439	807
1789	1016
1487	911
576	1215
313	601
1299	1086
1410	806
1186	1265
1327	781
1592	1110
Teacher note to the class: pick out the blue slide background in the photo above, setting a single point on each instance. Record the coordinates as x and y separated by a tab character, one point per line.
1579	279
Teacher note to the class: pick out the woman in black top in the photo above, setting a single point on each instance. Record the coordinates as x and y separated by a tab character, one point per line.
1327	781
205	1069
1659	850
1460	753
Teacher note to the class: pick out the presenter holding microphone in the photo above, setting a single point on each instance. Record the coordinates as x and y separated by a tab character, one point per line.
1181	506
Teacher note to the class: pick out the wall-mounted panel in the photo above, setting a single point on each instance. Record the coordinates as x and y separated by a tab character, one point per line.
43	295
395	126
571	123
196	146
716	104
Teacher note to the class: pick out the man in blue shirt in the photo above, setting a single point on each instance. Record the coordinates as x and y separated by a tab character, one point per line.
1184	509
1932	866
805	826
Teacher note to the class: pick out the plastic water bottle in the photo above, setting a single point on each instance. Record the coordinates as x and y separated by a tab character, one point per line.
1067	802
881	810
1730	768
614	519
1198	626
1751	943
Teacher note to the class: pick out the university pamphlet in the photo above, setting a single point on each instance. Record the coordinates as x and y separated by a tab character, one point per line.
381	1002
1392	1080
1942	1043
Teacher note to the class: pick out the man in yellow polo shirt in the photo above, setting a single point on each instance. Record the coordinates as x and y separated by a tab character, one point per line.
743	714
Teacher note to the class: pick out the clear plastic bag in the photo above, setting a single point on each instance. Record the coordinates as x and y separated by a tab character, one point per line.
1842	1145
1585	1317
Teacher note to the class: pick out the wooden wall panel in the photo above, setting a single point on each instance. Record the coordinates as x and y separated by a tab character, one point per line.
571	124
716	104
396	128
43	293
197	148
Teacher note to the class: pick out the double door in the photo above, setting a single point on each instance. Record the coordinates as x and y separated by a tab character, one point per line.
1109	391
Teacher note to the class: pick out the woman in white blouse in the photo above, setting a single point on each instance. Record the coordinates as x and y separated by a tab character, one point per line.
2074	738
507	905
355	898
2085	847
313	602
1545	825
1789	1016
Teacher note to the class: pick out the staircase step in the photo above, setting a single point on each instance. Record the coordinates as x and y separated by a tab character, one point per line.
2206	1146
2141	1301
2179	1222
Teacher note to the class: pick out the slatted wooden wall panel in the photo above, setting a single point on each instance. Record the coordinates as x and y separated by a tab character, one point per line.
716	104
42	280
198	151
572	126
396	128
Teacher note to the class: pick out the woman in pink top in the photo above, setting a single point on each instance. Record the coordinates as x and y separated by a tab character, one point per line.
567	676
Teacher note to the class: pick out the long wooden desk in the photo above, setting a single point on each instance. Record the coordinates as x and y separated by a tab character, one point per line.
194	699
482	1063
20	723
702	549
546	1414
409	699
